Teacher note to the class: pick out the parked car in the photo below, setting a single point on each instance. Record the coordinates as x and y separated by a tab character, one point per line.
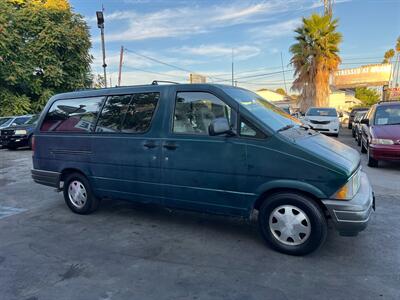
357	127
356	121
13	120
323	119
210	148
352	114
380	133
20	135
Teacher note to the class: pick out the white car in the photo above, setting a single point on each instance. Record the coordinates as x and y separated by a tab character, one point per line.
323	119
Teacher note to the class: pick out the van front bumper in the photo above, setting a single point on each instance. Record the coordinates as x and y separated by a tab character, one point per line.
352	216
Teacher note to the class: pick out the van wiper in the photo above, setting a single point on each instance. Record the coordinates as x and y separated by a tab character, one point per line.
285	127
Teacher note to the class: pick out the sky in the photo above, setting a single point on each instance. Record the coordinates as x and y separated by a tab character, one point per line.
200	36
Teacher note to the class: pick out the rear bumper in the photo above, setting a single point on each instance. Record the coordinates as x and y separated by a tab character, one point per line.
384	152
351	217
48	178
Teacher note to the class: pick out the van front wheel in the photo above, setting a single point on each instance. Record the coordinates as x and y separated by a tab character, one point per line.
292	223
78	194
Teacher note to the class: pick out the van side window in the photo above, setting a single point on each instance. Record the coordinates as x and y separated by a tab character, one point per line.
113	114
73	115
249	130
140	112
194	112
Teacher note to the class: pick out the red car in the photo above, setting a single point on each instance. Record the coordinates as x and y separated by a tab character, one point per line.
380	133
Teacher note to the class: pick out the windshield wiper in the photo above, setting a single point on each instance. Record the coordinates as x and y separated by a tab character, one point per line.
285	127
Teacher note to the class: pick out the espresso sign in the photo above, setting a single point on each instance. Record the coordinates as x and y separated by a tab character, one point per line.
370	75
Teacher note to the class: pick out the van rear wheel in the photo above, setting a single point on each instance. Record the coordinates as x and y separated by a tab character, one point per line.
292	223
78	194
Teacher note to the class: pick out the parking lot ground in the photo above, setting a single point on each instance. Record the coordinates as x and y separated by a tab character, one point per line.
130	251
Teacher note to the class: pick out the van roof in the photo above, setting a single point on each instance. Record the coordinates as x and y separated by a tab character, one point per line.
129	89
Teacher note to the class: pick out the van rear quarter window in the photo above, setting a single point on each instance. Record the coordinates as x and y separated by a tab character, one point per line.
128	113
73	115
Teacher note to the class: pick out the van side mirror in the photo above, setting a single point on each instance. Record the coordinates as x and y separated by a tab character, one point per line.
220	126
365	121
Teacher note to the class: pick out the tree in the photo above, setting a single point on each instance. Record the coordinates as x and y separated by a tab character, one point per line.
280	91
41	35
367	96
388	56
315	58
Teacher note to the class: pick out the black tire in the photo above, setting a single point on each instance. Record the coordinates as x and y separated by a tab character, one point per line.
91	202
11	148
353	133
317	220
363	149
358	140
372	162
30	142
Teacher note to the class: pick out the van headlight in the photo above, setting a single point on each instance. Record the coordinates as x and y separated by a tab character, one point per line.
20	132
382	142
348	191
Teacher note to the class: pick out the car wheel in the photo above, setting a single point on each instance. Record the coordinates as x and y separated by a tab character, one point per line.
292	223
30	142
353	133
78	194
372	162
363	149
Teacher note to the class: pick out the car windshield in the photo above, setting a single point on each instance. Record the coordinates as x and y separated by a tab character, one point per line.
322	112
271	115
3	121
387	115
33	120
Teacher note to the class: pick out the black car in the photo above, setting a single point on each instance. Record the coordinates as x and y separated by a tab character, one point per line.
352	114
19	136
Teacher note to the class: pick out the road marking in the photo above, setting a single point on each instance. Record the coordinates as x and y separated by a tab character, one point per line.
6	211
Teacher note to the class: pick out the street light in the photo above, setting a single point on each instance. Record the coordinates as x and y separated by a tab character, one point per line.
100	24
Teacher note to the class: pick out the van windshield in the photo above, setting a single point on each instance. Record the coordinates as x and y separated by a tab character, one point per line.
321	112
271	115
3	121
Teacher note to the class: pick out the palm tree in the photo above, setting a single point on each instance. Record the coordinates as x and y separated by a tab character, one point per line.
315	58
387	58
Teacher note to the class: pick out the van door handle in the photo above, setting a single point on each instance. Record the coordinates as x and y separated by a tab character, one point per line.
150	145
170	146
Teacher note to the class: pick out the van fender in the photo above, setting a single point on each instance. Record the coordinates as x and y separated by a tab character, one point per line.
292	185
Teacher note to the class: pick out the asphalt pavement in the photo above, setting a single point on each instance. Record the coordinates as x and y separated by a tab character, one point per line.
131	251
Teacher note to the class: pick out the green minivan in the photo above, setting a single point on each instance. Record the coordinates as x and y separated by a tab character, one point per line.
203	147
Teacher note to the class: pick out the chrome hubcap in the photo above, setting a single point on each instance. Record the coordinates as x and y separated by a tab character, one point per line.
290	225
77	194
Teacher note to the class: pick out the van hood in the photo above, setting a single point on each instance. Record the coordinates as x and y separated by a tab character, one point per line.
386	132
320	118
339	156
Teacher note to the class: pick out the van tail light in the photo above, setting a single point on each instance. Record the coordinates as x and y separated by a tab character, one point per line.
33	143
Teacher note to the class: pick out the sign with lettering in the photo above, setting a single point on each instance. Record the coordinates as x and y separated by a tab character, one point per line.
369	75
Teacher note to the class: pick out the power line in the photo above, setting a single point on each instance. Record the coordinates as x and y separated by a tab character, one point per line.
157	73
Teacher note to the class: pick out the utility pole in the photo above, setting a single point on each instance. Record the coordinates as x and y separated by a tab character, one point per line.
328	5
100	24
283	73
233	77
121	57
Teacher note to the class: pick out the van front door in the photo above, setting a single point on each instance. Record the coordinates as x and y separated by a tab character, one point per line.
126	149
202	172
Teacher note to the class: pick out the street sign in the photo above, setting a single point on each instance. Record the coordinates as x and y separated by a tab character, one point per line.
394	93
197	78
369	75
